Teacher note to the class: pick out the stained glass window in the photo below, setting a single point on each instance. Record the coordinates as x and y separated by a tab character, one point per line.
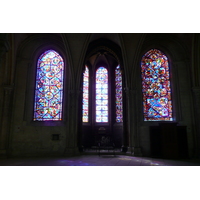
118	94
156	87
49	87
102	95
85	109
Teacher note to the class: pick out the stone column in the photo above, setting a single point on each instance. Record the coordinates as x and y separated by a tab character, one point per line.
72	122
6	119
134	143
5	115
196	97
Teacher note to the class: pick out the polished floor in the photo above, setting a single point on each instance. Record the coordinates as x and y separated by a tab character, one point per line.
95	160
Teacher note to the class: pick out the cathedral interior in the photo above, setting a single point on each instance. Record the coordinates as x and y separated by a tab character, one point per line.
99	99
72	94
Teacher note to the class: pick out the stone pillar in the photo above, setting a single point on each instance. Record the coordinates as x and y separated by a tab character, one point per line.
6	120
196	97
134	143
72	123
6	103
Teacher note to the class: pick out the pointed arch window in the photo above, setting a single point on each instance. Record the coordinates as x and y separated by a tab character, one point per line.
97	90
118	94
156	87
85	109
101	94
49	87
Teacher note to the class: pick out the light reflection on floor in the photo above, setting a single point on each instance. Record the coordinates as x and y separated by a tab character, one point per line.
125	158
73	163
157	163
95	160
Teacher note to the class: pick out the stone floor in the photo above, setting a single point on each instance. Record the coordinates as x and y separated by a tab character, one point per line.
95	160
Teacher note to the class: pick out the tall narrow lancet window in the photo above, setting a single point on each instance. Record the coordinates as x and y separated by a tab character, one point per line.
101	95
85	109
49	87
156	87
118	94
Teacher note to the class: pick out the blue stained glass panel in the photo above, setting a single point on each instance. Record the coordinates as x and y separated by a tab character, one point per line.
102	95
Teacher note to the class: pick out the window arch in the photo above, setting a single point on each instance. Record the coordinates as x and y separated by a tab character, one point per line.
118	94
156	86
49	87
85	108
101	94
